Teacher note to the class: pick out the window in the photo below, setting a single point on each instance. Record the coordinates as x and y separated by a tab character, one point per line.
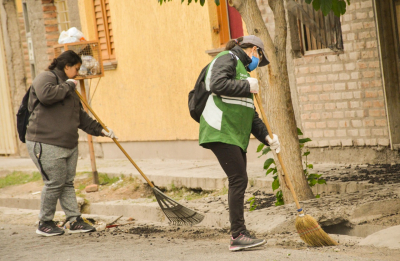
104	29
230	23
318	31
62	15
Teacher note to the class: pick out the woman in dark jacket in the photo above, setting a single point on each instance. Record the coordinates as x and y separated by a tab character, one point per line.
229	118
52	140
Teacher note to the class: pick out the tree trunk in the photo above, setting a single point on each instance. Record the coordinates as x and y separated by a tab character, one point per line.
276	93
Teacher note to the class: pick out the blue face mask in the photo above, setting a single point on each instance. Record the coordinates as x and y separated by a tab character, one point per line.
253	64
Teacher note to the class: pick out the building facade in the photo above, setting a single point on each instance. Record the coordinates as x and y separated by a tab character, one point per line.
343	72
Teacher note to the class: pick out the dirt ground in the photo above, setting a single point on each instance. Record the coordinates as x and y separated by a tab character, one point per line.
373	174
19	242
142	241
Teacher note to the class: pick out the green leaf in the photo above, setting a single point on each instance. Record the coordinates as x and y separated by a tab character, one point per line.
342	7
275	171
298	130
312	176
275	184
326	6
268	163
304	140
260	147
348	2
306	153
316	4
308	1
312	182
279	198
190	1
266	150
335	7
202	2
321	181
317	196
216	2
310	166
269	171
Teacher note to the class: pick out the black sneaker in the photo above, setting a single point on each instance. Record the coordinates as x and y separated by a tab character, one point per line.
245	240
81	225
48	229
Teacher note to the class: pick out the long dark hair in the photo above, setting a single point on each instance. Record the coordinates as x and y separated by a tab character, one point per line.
69	58
234	42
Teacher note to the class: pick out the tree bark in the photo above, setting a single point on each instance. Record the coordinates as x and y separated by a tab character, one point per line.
276	92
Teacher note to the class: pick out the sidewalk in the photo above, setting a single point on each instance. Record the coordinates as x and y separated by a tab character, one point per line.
205	174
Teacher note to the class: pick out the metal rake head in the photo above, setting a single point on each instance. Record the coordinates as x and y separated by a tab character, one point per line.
175	212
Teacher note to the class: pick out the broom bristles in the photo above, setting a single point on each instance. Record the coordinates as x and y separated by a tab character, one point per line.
175	212
311	232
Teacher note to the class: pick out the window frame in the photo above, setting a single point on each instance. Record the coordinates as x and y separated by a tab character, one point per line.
106	21
62	12
224	29
309	44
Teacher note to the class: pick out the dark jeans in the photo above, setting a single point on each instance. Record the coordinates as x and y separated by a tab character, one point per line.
233	161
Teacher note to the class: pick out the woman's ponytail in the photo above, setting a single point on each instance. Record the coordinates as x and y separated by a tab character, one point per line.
68	57
53	64
232	43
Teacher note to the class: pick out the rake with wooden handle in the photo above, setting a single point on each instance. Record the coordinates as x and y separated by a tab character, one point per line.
175	212
307	227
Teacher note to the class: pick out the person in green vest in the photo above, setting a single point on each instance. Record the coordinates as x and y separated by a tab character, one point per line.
229	118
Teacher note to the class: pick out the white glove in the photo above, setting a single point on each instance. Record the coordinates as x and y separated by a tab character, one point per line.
109	134
274	143
253	84
72	80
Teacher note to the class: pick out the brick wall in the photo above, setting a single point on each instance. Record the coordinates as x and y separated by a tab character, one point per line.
51	26
341	94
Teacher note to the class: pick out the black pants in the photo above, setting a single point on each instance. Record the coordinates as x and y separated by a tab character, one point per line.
233	161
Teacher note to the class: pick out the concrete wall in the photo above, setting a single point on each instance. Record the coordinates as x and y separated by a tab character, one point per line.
73	12
38	32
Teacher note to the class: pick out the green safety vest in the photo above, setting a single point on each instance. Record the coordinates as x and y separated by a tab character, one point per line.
227	119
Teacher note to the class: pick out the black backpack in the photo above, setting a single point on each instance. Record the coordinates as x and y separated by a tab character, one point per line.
198	96
24	114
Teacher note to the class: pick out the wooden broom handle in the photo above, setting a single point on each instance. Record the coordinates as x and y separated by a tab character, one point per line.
115	140
287	179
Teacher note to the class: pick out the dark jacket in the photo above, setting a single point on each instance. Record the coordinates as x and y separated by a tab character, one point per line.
58	115
223	82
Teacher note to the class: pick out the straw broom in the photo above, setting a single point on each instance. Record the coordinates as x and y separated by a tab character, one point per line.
307	227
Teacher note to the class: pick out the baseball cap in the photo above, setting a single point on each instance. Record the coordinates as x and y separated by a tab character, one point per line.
252	39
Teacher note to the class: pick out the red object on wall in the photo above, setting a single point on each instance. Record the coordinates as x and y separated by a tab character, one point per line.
235	23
